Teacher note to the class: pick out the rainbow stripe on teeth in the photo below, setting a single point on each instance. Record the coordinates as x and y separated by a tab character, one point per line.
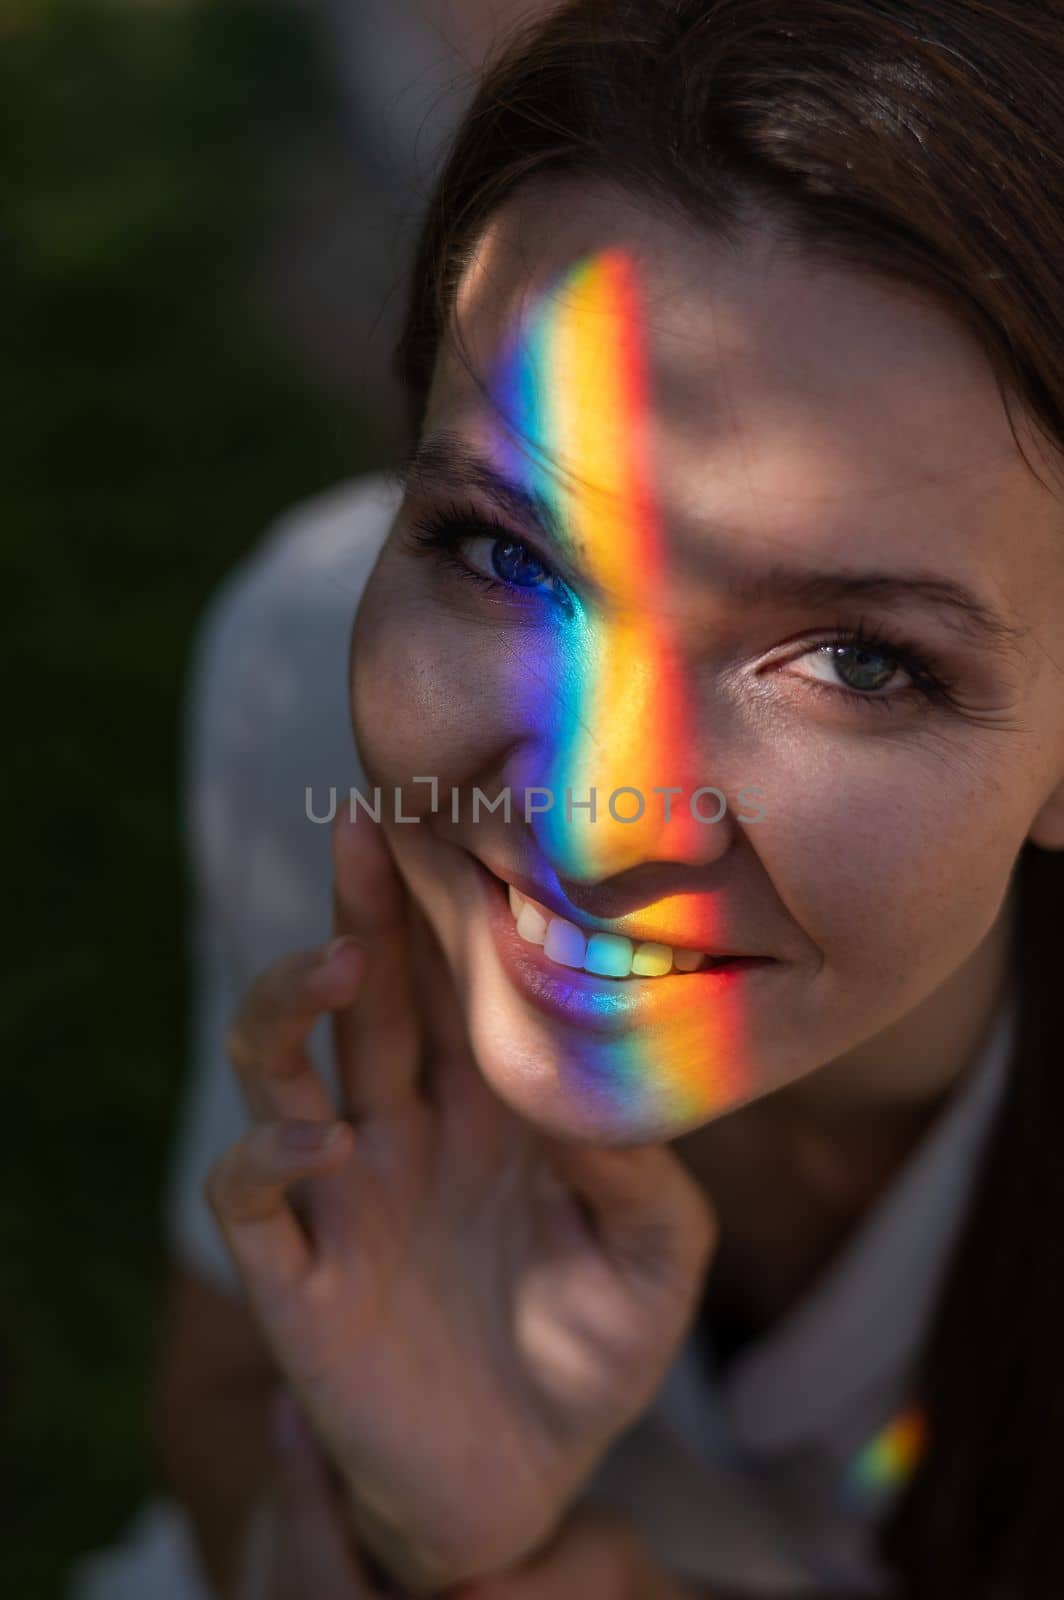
608	955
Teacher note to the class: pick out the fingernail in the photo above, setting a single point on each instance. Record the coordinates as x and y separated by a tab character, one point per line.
344	941
306	1136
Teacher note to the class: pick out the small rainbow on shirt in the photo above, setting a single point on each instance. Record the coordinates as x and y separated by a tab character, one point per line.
601	686
887	1462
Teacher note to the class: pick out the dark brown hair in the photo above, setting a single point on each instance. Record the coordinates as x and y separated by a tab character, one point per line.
921	141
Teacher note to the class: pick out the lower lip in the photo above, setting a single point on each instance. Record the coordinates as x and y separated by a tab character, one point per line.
608	1005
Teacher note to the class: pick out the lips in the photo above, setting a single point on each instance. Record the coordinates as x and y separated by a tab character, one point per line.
596	1004
607	955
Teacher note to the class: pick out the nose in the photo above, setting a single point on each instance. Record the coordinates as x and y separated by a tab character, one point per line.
627	770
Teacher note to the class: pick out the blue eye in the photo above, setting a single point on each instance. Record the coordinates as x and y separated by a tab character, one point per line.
487	553
860	662
868	669
515	563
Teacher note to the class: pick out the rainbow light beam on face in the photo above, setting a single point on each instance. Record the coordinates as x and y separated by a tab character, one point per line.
605	692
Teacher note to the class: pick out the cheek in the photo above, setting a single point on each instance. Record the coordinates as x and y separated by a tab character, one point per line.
425	698
899	869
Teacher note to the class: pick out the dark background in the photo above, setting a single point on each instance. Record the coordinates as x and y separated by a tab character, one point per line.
178	368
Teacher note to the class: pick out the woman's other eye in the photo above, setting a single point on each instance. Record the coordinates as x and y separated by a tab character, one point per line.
871	671
862	669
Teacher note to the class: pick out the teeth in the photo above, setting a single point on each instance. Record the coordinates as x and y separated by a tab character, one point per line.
565	943
609	955
531	923
653	960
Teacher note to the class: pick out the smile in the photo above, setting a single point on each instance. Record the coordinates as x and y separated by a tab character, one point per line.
559	979
607	955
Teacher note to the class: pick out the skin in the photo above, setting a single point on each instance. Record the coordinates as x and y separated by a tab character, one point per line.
299	1543
455	1286
799	414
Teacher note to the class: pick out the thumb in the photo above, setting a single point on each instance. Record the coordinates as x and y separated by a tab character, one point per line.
648	1211
377	1038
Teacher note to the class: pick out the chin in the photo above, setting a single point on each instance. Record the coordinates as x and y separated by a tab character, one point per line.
572	1082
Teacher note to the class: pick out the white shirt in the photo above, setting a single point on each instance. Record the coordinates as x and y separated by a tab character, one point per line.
744	1480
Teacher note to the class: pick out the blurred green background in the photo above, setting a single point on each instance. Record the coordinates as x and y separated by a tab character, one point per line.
154	422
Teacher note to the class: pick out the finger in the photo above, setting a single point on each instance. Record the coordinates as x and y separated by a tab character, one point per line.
648	1212
470	1110
315	1554
378	1039
478	1133
246	1190
444	1031
267	1040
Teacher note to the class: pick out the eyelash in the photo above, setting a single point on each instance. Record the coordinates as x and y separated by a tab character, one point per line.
441	533
929	683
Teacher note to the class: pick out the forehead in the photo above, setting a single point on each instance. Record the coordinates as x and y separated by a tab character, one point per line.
813	385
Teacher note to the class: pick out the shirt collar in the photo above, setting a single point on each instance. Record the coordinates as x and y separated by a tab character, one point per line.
858	1333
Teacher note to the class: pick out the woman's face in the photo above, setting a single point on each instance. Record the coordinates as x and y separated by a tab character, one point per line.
689	518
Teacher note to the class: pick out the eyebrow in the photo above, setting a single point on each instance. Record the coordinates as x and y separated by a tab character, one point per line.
446	462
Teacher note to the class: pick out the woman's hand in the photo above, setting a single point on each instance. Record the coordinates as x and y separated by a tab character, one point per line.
595	1556
469	1312
297	1545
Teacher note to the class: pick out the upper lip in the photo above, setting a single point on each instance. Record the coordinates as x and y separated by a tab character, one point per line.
625	927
